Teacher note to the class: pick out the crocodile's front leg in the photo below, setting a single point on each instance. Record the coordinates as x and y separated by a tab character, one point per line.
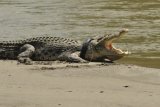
71	57
27	51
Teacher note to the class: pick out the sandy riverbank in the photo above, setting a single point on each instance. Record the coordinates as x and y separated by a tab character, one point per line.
78	85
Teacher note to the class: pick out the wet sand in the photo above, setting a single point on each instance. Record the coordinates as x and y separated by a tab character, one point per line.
78	85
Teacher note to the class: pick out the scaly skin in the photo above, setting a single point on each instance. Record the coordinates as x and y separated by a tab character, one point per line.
63	49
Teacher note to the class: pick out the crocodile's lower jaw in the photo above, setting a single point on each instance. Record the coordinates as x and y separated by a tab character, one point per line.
110	47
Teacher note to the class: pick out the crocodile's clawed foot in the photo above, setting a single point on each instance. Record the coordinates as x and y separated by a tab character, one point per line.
26	61
84	61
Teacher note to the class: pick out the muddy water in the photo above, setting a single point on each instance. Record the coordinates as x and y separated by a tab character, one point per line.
80	19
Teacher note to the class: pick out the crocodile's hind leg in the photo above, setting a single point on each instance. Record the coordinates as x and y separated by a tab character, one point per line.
27	51
71	57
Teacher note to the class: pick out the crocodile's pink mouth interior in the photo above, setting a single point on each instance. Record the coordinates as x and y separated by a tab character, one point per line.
109	46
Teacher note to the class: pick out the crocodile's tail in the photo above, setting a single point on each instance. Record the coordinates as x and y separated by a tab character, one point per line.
9	49
8	53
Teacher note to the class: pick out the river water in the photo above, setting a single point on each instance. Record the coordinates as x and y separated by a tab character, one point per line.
80	19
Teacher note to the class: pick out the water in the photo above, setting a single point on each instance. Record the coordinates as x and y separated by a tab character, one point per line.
80	19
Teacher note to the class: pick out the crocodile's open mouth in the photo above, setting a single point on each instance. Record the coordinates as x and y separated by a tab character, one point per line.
109	46
109	43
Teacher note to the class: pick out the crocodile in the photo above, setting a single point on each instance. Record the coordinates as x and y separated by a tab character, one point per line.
48	48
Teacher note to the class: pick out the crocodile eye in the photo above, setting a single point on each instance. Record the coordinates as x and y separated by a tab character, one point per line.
98	48
99	39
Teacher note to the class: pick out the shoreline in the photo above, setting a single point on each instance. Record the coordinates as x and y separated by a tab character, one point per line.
143	62
78	85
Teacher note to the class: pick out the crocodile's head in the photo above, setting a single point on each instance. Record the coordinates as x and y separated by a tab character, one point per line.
101	48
